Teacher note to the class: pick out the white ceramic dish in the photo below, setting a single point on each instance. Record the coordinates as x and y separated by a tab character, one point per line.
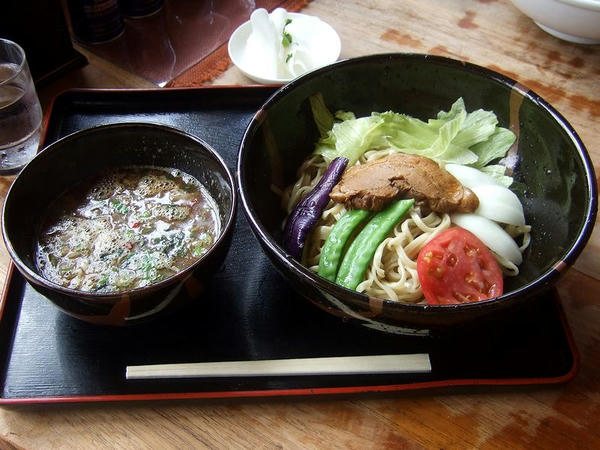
330	48
571	20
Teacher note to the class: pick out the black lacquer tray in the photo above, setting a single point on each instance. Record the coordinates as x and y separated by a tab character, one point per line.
248	312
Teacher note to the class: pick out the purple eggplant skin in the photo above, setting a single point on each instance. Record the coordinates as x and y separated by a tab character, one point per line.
308	210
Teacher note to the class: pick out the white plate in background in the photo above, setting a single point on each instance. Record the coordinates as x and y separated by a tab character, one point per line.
330	47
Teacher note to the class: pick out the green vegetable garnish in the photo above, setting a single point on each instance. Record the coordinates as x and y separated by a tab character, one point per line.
150	272
363	247
338	237
321	114
102	282
119	207
198	250
286	41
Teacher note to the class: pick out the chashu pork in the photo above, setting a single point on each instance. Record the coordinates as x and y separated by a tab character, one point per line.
375	184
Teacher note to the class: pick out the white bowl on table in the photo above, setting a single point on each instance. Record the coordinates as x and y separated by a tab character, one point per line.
326	53
571	20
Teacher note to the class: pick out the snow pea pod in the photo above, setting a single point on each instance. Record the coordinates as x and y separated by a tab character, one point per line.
361	251
308	210
334	244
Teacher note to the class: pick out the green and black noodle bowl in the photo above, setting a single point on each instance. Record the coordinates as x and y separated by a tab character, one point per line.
76	157
553	175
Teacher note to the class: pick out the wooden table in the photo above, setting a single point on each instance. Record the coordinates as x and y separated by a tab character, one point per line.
490	33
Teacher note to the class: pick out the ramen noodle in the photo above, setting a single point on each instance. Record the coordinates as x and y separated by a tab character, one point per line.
393	272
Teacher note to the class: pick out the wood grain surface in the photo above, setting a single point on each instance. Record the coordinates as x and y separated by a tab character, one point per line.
491	33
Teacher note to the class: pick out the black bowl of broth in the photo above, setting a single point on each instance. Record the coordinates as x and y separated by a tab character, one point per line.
121	223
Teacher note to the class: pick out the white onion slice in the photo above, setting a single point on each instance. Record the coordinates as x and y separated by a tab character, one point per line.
491	234
500	204
471	177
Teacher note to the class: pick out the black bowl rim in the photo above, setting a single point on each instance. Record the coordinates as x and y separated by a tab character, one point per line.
55	146
543	281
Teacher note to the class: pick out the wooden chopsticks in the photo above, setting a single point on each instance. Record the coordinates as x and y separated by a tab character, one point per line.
344	365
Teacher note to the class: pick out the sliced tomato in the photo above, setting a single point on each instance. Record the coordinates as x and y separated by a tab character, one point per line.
456	267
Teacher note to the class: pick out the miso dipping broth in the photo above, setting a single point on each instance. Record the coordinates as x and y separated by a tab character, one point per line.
126	228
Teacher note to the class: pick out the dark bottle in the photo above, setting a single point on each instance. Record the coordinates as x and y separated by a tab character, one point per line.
140	8
95	21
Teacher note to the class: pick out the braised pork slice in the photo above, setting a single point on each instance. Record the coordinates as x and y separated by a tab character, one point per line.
375	184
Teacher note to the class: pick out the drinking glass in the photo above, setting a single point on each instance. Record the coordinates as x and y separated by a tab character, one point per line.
20	110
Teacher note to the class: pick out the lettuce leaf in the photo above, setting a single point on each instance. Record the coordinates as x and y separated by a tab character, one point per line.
454	136
321	114
350	139
494	147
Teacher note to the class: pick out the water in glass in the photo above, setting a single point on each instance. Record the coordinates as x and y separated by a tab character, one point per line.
20	118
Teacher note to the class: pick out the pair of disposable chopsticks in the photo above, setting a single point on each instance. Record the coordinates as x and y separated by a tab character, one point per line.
343	365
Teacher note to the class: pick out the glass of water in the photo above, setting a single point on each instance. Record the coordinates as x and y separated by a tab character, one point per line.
20	110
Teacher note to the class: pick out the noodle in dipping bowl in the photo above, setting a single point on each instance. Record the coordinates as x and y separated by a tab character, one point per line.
121	223
466	149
